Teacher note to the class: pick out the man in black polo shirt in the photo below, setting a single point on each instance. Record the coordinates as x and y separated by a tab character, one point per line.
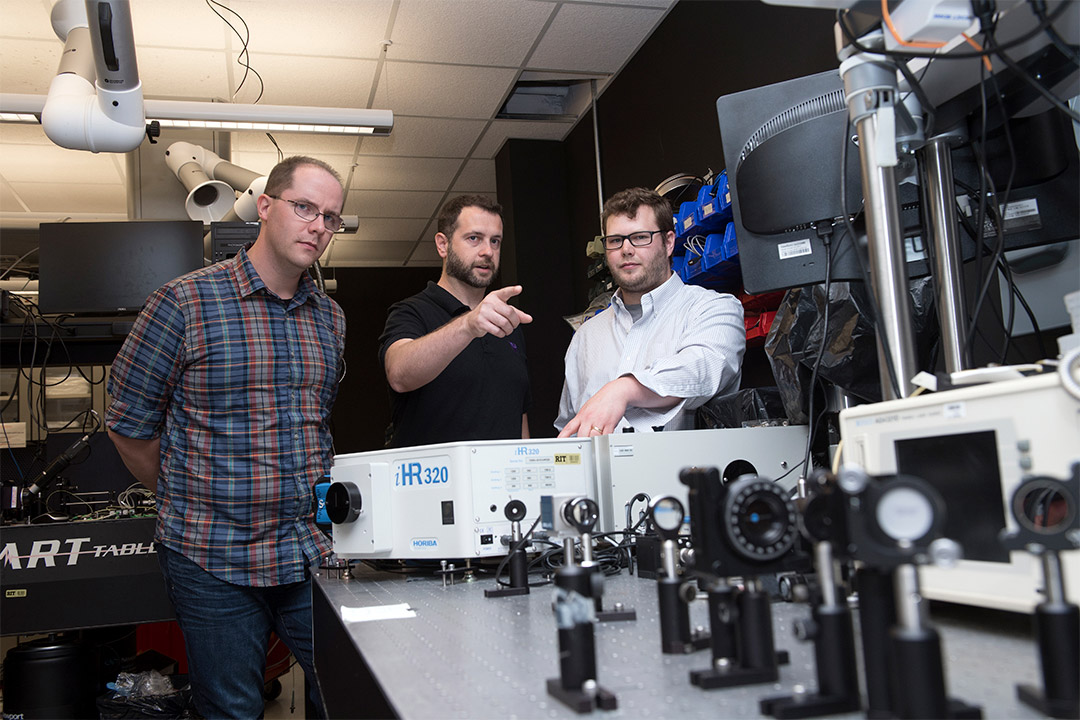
455	357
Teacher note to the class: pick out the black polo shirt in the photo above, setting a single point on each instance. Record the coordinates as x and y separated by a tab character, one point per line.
482	393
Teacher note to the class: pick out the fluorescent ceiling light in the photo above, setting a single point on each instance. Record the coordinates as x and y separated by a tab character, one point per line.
230	116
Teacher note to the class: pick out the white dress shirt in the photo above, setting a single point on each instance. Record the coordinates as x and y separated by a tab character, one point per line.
688	343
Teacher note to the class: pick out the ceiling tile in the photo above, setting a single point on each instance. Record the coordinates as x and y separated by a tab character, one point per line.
345	253
391	204
72	198
181	23
425	255
52	164
27	21
331	28
384	173
478	176
572	43
500	130
642	3
171	73
387	230
295	143
264	162
28	66
426	137
460	91
469	32
23	134
309	80
9	202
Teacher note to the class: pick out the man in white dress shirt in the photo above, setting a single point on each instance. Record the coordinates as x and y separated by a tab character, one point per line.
662	348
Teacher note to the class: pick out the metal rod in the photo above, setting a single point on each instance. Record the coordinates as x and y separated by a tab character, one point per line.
671	552
888	263
909	604
826	573
1055	583
948	281
596	148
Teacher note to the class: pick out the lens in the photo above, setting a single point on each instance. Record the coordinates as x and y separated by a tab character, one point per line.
1043	507
667	514
763	520
759	519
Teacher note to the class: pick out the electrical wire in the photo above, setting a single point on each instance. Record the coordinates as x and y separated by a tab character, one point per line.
1039	8
1056	101
245	39
826	237
852	39
506	559
18	260
986	185
887	18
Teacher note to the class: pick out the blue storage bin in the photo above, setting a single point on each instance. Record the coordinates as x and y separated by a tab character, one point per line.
686	220
714	251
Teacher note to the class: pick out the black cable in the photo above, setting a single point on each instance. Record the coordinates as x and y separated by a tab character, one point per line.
999	245
987	191
506	558
245	40
826	238
1003	265
280	155
1038	7
928	108
1057	102
849	35
966	224
1004	201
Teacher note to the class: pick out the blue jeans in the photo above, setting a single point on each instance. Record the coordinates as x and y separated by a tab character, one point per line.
227	630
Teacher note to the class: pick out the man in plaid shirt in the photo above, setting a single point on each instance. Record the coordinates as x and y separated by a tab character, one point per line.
221	399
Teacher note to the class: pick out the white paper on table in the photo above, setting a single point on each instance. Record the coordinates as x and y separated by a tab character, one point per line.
376	612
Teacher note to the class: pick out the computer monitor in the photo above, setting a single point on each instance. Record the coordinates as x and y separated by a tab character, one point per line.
108	268
783	149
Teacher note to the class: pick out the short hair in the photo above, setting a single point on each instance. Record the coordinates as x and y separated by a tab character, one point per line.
628	201
451	211
281	177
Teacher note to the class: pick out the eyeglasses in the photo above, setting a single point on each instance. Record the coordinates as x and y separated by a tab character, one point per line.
308	213
638	239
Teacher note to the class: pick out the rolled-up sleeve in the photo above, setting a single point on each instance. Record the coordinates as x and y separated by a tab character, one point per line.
146	369
706	358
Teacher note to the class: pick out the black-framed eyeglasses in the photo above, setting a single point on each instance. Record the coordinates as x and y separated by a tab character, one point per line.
637	239
308	212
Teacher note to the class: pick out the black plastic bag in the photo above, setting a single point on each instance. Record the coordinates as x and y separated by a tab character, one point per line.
850	359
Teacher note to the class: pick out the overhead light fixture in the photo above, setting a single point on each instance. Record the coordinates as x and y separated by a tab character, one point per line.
22	108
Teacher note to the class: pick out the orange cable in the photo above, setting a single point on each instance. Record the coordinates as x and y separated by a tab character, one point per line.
896	35
977	46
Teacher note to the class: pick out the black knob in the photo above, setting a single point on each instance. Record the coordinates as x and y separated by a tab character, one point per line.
514	510
343	502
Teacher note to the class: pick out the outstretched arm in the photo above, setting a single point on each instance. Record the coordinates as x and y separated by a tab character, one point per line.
411	363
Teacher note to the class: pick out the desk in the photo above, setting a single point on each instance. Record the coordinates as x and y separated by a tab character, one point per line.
466	656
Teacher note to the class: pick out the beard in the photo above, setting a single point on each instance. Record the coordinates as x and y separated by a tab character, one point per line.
651	275
457	269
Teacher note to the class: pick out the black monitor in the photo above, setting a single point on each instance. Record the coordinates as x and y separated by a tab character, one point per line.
783	147
108	268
